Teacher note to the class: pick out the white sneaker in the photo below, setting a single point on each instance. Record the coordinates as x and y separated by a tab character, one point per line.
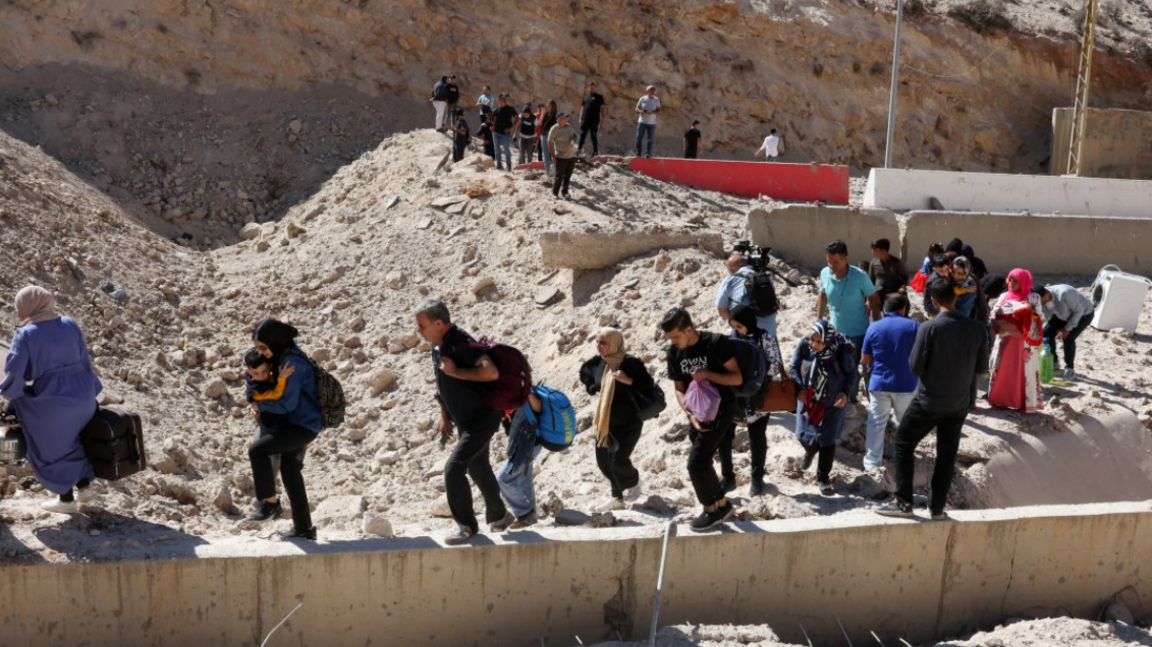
633	493
86	496
1069	375
612	504
56	505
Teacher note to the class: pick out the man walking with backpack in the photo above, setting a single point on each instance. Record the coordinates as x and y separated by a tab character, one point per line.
743	286
704	357
464	374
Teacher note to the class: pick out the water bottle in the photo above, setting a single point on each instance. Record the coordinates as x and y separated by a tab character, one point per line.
1047	364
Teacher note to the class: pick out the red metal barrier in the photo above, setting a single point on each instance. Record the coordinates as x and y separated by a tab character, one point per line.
808	182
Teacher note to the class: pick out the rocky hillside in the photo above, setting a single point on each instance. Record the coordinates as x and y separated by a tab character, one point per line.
980	79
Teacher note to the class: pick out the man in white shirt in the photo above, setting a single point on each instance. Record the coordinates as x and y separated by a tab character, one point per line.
771	147
647	107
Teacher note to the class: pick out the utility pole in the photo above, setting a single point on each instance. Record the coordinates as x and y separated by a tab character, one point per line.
1083	81
895	81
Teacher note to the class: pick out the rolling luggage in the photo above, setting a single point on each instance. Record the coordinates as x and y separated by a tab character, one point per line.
114	443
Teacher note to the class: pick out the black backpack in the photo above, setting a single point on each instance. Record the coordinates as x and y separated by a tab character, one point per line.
329	394
761	294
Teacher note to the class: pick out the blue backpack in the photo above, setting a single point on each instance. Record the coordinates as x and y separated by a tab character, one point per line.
556	422
753	366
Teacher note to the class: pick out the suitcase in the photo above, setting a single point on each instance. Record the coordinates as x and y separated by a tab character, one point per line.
114	443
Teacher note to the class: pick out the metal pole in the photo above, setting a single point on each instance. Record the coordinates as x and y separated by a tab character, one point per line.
895	81
660	585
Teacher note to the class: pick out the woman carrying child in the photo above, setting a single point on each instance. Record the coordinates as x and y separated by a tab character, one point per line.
291	435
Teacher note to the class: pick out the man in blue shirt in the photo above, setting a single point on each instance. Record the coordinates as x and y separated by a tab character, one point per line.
891	387
850	296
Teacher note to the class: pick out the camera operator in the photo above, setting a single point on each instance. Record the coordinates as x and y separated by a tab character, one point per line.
732	291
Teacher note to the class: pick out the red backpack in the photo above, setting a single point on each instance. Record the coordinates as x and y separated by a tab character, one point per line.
509	391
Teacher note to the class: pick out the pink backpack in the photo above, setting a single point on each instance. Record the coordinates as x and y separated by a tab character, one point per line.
703	400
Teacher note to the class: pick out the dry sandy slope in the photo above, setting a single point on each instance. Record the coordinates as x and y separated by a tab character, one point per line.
348	266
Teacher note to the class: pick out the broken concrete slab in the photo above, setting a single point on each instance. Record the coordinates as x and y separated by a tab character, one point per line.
599	250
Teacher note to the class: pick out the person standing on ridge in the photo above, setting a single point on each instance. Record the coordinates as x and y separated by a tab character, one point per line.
692	141
647	107
592	114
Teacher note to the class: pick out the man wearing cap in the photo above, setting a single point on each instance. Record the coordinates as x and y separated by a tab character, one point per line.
563	149
647	107
439	100
453	96
507	121
692	141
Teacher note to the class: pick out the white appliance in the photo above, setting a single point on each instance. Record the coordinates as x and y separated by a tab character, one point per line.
1118	298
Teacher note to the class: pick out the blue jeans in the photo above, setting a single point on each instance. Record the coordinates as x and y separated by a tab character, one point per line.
642	128
547	154
516	476
503	145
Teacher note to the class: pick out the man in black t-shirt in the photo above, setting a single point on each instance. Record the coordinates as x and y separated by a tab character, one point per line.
697	356
591	115
463	375
692	141
452	92
507	121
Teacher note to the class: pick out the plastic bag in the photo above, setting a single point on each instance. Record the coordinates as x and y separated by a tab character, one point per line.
702	400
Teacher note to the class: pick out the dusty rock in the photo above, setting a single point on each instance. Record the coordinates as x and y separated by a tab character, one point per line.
340	511
251	231
569	517
375	525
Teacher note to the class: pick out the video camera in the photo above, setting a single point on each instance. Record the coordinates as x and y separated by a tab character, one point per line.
756	256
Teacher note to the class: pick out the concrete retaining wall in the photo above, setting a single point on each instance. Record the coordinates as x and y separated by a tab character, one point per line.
901	579
594	251
904	190
1117	144
808	182
802	232
1042	244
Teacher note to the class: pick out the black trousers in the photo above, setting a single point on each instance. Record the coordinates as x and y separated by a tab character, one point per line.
564	168
589	129
758	439
458	149
705	445
827	456
917	423
1054	326
615	460
290	442
470	458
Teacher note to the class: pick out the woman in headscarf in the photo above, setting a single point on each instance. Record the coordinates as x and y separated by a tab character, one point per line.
744	326
824	369
52	389
614	376
302	422
1018	323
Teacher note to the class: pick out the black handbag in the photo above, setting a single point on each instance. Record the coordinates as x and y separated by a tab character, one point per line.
650	404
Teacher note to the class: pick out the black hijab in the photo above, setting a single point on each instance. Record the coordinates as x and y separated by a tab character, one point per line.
277	336
744	315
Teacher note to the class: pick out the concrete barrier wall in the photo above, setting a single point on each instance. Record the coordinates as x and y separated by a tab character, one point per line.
904	190
808	182
802	232
901	579
1117	144
594	251
1041	244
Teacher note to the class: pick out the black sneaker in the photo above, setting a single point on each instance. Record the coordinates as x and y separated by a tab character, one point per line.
940	516
309	534
807	462
727	485
265	511
896	508
758	487
502	525
709	520
462	535
826	489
